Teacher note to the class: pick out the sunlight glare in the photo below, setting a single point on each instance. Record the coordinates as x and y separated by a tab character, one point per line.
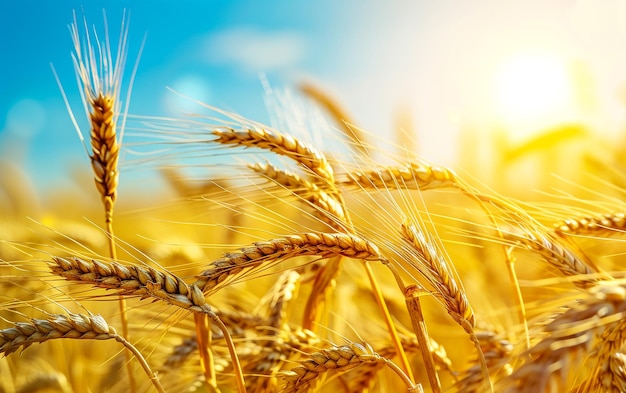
532	91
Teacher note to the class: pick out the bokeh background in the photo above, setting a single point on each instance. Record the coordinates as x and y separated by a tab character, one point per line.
468	80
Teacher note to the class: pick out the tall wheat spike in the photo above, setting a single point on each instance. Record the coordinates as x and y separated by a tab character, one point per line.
99	77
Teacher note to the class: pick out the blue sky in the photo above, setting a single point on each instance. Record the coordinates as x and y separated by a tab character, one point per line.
435	60
191	46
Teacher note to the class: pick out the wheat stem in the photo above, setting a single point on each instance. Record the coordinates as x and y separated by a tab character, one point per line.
391	327
206	357
232	350
411	296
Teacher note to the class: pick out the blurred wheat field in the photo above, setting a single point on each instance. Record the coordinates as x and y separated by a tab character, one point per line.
306	258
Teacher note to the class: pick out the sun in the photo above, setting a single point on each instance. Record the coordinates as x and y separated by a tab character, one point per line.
532	91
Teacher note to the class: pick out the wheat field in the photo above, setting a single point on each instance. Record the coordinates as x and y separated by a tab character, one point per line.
308	260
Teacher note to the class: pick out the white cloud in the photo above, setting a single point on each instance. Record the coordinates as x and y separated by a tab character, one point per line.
254	50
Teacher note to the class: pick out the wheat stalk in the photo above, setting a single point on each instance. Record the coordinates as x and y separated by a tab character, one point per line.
76	326
239	326
411	296
497	352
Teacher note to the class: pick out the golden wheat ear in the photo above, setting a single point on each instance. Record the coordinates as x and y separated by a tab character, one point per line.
75	326
100	76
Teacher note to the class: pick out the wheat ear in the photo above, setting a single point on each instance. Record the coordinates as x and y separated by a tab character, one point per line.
360	379
610	376
323	245
413	175
563	259
134	280
607	369
437	271
339	358
76	326
326	207
282	144
591	330
285	291
604	224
